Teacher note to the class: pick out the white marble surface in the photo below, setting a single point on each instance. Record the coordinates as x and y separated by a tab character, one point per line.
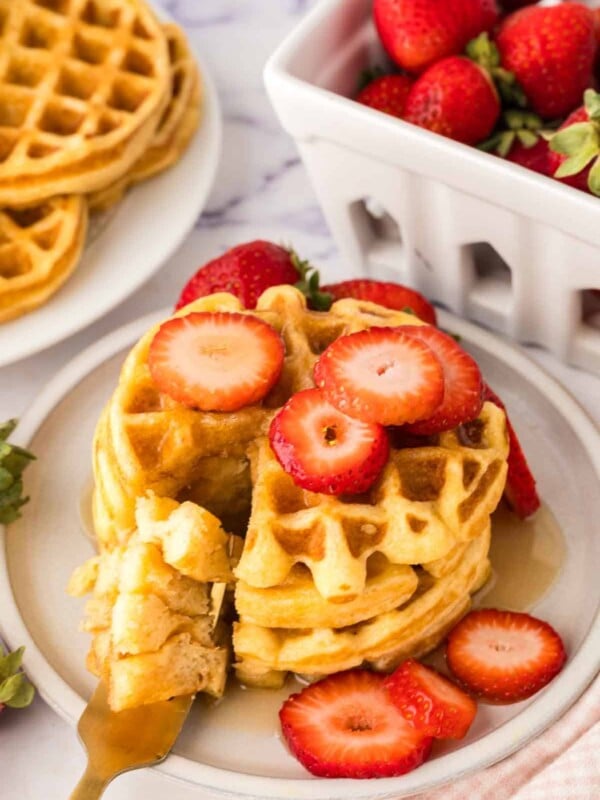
261	191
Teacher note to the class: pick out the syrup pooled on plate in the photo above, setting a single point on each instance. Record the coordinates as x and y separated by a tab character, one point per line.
527	557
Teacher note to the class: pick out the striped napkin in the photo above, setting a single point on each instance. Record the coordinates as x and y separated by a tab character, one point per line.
561	764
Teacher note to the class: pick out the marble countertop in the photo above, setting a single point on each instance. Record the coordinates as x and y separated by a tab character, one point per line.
262	191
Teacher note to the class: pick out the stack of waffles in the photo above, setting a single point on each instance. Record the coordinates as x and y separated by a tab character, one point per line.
322	583
95	95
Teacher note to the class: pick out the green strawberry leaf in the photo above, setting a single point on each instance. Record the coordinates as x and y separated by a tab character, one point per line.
13	462
591	101
10	663
580	143
594	178
527	138
16	692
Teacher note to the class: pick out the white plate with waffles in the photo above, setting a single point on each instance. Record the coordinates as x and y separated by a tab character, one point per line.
234	748
127	244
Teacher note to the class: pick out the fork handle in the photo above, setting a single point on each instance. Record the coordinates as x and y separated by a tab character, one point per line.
91	786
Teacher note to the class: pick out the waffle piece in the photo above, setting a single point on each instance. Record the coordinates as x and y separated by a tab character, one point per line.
83	85
150	615
426	500
147	441
264	655
39	248
176	128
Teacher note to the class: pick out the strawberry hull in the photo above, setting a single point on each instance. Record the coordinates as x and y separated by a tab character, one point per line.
473	232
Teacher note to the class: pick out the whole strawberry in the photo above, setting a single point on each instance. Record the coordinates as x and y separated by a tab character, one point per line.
384	293
15	689
455	98
551	51
417	33
387	93
574	148
520	140
535	157
247	271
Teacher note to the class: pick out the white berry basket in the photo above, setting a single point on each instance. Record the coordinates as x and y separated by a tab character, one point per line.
512	250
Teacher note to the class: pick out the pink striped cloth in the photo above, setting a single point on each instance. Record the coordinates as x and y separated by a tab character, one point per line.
561	764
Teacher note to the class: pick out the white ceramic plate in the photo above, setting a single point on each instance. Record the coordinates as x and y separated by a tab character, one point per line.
128	245
234	748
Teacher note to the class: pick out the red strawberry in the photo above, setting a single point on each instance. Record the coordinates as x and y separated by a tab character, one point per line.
520	140
245	271
417	33
463	385
574	148
216	361
345	726
387	93
456	98
504	656
390	295
520	488
324	450
534	157
381	375
551	52
430	702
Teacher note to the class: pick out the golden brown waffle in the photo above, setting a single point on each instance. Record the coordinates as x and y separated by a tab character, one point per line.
426	500
324	583
145	440
265	654
176	127
83	85
150	610
39	248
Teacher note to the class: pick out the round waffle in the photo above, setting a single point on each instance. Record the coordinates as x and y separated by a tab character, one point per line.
176	128
83	85
39	248
264	655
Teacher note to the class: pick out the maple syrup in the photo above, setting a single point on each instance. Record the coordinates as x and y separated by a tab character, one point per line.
526	556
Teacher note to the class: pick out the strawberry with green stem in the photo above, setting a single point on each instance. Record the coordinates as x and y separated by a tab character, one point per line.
455	98
419	33
551	52
521	140
575	147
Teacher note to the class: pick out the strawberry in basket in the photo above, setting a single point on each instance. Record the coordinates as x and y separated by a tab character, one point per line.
551	52
417	33
574	149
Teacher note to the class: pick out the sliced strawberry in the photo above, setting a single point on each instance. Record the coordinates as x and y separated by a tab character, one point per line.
323	449
390	295
381	375
345	726
504	656
520	490
463	384
216	361
430	702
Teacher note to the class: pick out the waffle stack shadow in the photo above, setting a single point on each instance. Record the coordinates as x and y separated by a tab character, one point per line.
322	583
95	96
